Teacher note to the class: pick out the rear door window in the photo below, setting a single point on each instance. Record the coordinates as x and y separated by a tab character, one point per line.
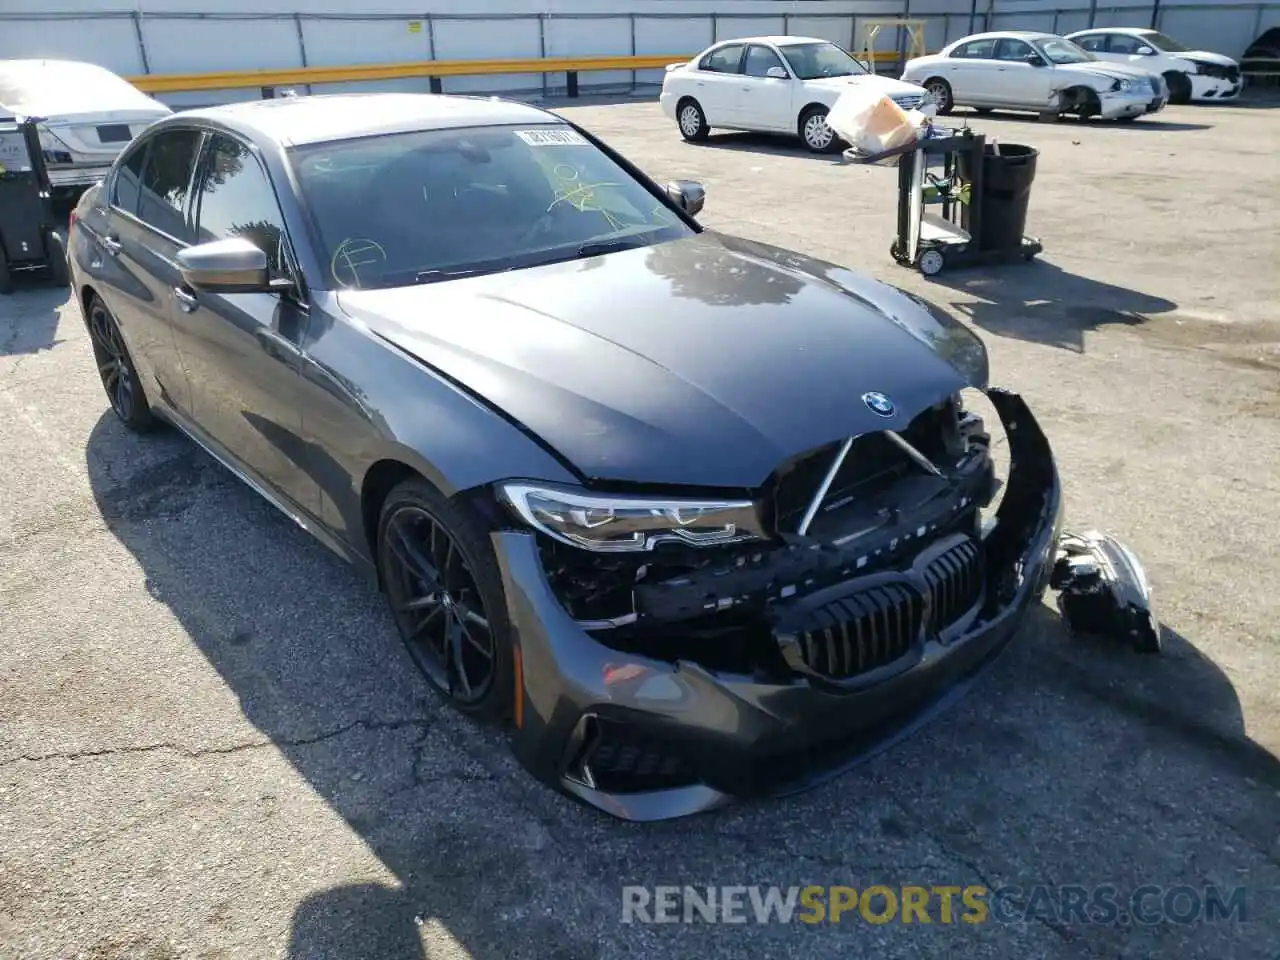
724	60
127	186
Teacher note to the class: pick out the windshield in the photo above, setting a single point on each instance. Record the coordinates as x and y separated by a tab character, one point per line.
811	61
1165	43
1062	50
408	208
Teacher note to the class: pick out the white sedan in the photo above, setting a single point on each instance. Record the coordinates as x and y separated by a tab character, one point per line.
771	85
1041	72
1190	74
88	115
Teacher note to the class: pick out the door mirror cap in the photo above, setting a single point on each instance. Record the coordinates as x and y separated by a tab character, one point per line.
225	266
776	73
1035	60
1145	52
689	195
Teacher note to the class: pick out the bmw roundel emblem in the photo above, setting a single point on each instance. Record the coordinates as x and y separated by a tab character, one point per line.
879	404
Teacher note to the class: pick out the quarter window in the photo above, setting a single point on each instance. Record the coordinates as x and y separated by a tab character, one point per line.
128	182
1094	44
167	181
724	60
236	200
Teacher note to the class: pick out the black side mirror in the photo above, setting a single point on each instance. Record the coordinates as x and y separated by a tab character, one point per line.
689	195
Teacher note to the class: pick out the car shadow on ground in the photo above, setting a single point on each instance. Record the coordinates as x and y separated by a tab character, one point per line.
486	858
34	306
773	144
1150	123
1042	303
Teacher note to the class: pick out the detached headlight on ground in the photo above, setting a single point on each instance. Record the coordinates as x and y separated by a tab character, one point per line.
609	523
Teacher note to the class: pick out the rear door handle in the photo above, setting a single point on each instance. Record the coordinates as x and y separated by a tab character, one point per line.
186	299
111	243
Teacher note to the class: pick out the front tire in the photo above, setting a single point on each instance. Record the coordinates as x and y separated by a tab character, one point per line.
444	589
942	95
1179	87
816	133
119	376
6	278
691	120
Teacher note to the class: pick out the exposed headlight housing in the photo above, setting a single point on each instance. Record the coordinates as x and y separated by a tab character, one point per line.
1121	85
612	523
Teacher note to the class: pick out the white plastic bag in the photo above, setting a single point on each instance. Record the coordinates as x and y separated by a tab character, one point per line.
872	123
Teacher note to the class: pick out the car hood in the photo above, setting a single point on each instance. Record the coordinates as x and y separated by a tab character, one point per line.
1105	68
886	85
706	361
1206	57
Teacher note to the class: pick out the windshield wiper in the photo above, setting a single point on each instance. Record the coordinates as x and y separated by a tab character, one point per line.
431	276
594	248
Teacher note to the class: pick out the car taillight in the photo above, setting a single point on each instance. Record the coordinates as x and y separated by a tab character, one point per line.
72	221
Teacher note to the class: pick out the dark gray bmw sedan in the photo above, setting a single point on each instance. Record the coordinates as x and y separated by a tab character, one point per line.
698	517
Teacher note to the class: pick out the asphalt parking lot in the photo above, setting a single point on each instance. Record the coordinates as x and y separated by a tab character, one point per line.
212	745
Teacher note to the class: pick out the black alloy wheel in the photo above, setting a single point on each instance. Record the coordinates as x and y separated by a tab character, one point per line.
442	583
115	367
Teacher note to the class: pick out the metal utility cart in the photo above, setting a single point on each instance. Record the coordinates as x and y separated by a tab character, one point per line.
974	223
29	236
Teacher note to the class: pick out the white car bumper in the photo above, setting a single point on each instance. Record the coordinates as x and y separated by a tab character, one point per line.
668	103
1215	88
1134	102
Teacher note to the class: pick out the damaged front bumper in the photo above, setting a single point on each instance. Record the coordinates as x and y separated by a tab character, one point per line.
649	739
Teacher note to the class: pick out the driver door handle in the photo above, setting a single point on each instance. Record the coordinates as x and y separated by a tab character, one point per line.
277	346
186	299
111	243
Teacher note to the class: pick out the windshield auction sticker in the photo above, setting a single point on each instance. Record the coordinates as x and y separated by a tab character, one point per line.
552	138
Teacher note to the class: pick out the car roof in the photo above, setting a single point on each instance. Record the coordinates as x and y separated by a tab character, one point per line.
776	41
293	121
1013	34
1135	31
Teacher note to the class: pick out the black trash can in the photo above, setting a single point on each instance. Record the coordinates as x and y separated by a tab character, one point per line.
1006	191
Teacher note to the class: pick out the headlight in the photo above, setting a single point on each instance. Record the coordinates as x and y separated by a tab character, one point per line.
1121	85
609	523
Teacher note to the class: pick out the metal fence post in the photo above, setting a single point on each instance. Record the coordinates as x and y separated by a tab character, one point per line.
715	28
435	84
635	76
302	44
1093	13
542	52
136	16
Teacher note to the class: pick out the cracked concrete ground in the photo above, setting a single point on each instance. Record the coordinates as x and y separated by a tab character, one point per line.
212	746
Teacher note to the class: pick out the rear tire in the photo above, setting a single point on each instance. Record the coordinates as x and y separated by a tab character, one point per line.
56	251
444	591
115	368
6	278
691	120
1179	87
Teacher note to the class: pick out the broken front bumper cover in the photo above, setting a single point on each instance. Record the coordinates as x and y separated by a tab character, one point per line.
716	736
